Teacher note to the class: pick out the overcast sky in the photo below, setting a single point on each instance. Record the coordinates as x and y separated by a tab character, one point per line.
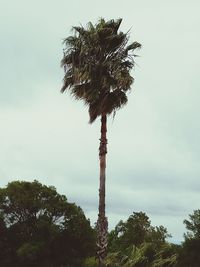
153	143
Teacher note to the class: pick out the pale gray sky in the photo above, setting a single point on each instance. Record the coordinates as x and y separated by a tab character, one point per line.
153	151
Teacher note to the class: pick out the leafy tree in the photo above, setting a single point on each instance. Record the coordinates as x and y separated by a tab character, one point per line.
97	62
193	225
137	243
158	235
40	228
135	231
136	228
189	254
126	249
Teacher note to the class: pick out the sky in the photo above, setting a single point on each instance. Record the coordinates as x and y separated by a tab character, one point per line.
153	142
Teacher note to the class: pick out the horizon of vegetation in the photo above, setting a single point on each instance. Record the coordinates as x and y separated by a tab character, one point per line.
39	227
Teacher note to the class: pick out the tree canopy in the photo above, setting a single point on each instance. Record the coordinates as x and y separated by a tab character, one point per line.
193	225
136	243
39	227
189	254
97	61
135	231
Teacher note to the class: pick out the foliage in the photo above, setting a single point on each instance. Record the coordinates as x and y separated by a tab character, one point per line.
40	227
145	255
136	242
166	256
90	262
135	231
189	254
193	225
97	61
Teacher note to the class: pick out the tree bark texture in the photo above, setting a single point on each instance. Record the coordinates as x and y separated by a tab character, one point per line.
102	223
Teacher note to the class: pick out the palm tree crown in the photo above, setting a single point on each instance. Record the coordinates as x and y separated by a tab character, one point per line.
97	61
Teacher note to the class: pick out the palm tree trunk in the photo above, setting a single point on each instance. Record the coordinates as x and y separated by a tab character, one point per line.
102	223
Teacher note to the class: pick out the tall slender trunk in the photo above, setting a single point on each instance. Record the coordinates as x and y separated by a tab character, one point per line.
102	223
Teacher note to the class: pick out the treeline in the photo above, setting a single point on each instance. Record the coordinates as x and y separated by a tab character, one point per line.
136	243
39	227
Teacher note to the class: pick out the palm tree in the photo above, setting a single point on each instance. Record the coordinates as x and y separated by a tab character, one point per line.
97	62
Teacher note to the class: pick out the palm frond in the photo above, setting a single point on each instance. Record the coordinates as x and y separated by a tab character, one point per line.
97	66
68	82
133	46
